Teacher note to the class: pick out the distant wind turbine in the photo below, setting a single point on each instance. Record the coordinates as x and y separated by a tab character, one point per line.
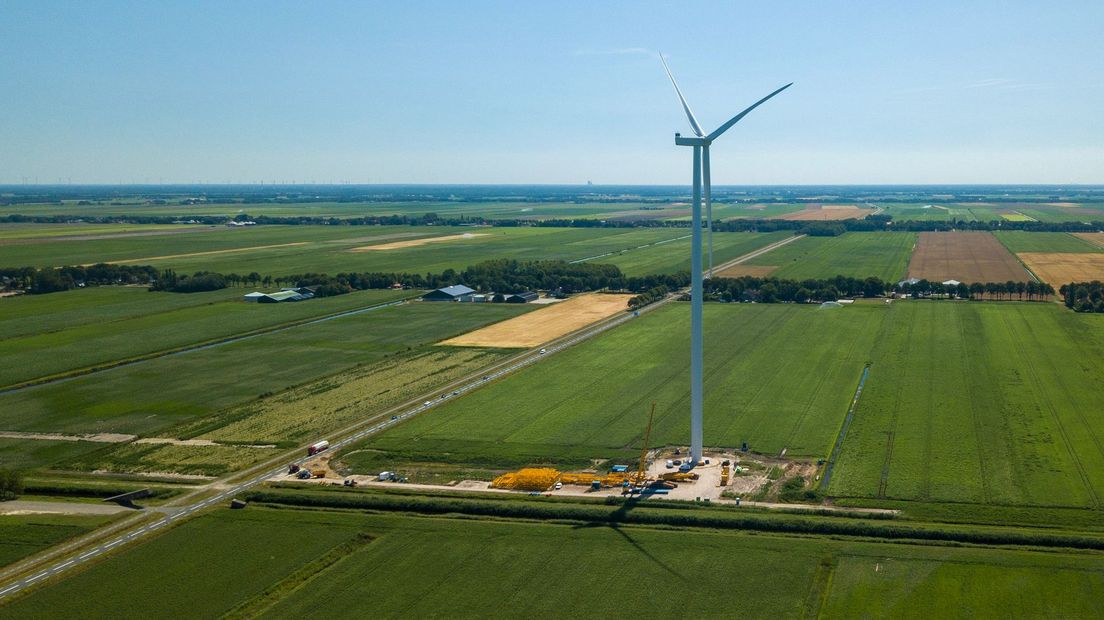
701	144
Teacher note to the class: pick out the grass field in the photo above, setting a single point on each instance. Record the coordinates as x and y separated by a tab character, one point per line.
980	402
28	232
1019	241
285	250
856	254
170	321
149	396
24	535
984	403
675	255
776	376
292	563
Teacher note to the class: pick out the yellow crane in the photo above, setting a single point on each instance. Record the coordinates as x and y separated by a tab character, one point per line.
641	472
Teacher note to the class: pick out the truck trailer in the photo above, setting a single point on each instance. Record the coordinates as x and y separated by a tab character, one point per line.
315	448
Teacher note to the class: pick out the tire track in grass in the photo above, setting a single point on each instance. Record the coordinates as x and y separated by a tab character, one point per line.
971	370
1045	403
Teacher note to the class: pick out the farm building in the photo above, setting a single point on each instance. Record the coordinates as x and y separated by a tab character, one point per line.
449	293
951	283
254	296
522	298
272	298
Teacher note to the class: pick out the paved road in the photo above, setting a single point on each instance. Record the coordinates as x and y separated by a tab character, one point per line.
231	487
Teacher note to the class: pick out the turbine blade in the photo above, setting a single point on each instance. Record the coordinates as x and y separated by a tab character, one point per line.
689	115
735	119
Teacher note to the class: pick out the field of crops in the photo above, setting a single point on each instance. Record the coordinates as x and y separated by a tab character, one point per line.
152	395
294	563
980	402
857	254
776	376
1019	241
28	233
123	330
23	535
675	255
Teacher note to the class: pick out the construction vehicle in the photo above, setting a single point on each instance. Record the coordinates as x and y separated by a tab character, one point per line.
293	468
303	474
641	474
679	476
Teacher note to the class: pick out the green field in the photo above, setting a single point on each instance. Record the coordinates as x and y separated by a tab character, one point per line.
985	403
293	563
1019	241
776	376
855	254
119	337
27	232
675	255
148	396
24	535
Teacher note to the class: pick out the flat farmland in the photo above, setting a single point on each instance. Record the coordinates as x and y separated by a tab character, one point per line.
989	403
964	256
1058	268
85	344
1018	241
11	234
24	535
153	395
673	256
296	562
855	254
1096	239
776	376
546	323
827	213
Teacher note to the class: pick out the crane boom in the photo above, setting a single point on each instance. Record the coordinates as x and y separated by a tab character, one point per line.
641	473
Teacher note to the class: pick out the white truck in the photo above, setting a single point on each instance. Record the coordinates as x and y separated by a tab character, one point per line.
315	448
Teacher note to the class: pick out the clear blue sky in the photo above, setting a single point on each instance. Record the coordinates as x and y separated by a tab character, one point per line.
550	92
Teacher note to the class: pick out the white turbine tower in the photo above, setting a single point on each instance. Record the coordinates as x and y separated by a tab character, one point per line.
701	144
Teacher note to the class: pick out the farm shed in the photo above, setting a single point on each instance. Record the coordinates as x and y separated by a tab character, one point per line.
272	298
951	283
522	298
254	296
449	293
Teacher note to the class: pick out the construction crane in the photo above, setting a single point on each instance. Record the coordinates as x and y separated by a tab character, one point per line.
641	472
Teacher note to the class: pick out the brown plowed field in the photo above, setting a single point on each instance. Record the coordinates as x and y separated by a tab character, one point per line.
1057	269
1093	238
826	213
755	271
548	323
964	256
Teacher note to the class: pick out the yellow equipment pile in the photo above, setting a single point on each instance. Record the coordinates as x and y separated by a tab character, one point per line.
528	479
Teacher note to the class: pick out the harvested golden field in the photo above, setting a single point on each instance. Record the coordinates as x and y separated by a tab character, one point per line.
818	212
1093	238
964	256
1057	269
540	326
413	243
756	271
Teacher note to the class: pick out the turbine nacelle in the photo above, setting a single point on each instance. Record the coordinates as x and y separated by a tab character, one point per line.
691	141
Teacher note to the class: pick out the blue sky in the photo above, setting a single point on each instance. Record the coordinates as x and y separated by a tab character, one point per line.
563	92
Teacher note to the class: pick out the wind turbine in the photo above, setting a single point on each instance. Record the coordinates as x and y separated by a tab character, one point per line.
701	143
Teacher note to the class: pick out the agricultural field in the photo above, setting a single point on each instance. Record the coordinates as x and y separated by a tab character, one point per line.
1058	268
964	256
1018	241
127	327
295	562
982	211
1096	239
14	234
548	323
150	396
776	376
854	254
987	403
286	250
673	256
980	403
24	535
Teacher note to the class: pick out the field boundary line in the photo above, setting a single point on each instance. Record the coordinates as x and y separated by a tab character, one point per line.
757	253
195	346
830	465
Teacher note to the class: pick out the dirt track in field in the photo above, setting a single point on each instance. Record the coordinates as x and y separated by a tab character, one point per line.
207	253
756	271
1057	269
966	257
825	213
105	235
413	243
548	323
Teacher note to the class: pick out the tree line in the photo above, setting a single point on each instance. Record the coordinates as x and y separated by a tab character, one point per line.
870	223
38	280
1084	296
775	290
